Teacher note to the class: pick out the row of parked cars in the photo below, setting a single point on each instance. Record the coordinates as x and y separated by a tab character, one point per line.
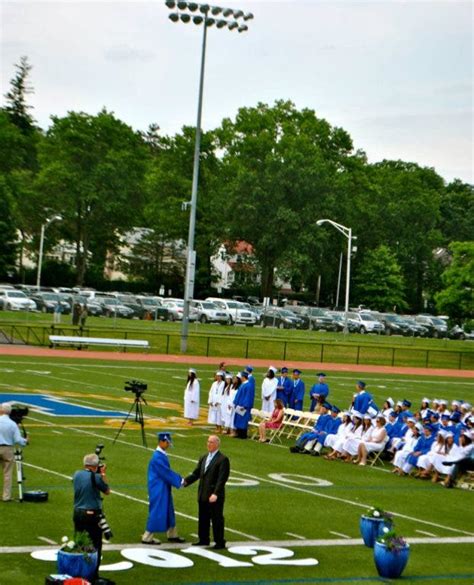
225	312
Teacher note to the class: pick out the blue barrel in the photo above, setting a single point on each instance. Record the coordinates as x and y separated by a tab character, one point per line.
390	563
77	564
372	528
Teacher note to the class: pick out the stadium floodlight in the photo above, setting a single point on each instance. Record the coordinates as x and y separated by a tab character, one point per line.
348	233
238	13
248	16
207	12
44	226
242	28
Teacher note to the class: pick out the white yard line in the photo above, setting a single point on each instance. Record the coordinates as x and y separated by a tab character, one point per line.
296	536
276	543
340	534
48	540
426	533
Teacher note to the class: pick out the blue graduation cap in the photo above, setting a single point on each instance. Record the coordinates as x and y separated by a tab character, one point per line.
164	437
284	370
249	369
361	384
244	374
321	375
296	371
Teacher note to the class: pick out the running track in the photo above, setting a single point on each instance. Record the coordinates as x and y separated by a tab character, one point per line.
30	351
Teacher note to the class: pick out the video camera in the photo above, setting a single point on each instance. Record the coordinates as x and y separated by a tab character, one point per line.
98	451
18	413
138	388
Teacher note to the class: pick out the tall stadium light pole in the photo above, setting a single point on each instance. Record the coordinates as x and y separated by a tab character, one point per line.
48	222
207	16
348	233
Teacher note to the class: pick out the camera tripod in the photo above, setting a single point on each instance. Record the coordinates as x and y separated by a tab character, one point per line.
19	472
137	408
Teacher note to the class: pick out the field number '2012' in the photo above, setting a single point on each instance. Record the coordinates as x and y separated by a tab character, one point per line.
170	560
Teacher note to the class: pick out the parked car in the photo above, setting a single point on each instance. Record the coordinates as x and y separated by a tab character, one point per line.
112	307
339	318
416	329
176	309
281	318
366	323
210	313
458	332
315	318
395	325
237	313
46	302
153	308
437	327
15	300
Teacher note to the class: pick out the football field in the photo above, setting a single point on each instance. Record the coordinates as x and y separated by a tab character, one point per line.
289	518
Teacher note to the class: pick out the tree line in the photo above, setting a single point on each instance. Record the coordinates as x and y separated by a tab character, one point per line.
266	177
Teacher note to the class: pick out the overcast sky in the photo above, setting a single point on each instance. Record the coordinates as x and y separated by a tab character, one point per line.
396	75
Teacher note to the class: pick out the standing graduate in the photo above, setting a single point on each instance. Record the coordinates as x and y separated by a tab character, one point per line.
297	394
363	399
191	397
319	392
161	478
215	400
269	390
284	387
243	404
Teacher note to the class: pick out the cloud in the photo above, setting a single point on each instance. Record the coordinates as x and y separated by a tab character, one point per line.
127	53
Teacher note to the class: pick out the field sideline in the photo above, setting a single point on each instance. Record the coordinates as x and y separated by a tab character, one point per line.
288	520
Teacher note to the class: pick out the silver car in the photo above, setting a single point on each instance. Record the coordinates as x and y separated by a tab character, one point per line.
210	313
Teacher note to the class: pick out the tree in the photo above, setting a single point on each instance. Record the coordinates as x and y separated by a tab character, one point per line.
92	170
17	106
457	298
7	230
279	174
457	212
379	283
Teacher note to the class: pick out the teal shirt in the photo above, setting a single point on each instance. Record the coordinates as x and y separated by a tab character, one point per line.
86	495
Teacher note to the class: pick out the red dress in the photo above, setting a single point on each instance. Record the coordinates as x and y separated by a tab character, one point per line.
275	421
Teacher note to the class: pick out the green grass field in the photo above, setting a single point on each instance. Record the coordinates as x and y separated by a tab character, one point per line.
305	505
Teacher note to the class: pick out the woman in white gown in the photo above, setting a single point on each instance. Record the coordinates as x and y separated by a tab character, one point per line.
402	455
358	434
191	397
269	390
214	401
375	442
226	412
335	442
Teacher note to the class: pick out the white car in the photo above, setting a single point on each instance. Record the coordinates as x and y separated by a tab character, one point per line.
238	314
366	322
15	300
176	309
210	313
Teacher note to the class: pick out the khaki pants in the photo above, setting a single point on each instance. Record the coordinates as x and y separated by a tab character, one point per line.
7	458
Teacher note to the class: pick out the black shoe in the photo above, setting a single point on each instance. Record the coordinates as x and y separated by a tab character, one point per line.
315	453
219	546
295	450
176	539
199	543
153	541
103	581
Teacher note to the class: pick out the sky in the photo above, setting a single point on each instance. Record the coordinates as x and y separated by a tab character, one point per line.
397	75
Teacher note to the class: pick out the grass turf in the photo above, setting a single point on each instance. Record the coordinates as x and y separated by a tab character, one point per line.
259	504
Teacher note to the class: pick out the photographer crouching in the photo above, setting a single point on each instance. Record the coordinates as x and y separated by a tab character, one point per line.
9	437
89	483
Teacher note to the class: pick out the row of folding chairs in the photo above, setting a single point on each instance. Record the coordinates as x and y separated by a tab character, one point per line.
294	424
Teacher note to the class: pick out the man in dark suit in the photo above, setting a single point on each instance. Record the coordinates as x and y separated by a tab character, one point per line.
212	471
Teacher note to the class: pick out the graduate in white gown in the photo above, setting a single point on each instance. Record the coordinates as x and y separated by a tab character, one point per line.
214	401
269	390
191	397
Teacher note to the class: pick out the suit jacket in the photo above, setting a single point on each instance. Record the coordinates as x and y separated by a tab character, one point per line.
212	480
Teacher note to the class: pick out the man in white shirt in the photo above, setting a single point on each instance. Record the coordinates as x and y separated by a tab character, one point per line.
9	437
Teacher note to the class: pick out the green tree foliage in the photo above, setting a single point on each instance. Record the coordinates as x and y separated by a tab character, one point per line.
457	212
379	282
92	170
7	230
403	214
279	172
168	187
457	298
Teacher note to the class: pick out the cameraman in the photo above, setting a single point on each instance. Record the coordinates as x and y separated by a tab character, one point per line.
9	437
88	484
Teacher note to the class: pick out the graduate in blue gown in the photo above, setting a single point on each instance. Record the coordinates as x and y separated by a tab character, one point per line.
284	387
243	404
297	392
319	391
363	398
161	478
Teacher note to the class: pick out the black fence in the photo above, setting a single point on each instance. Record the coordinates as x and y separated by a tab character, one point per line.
270	348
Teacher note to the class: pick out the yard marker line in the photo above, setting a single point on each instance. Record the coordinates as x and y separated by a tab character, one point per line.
343	535
296	536
276	543
57	432
292	487
426	533
134	499
48	540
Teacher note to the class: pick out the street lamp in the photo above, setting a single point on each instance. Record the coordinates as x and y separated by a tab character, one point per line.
48	222
208	16
348	233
